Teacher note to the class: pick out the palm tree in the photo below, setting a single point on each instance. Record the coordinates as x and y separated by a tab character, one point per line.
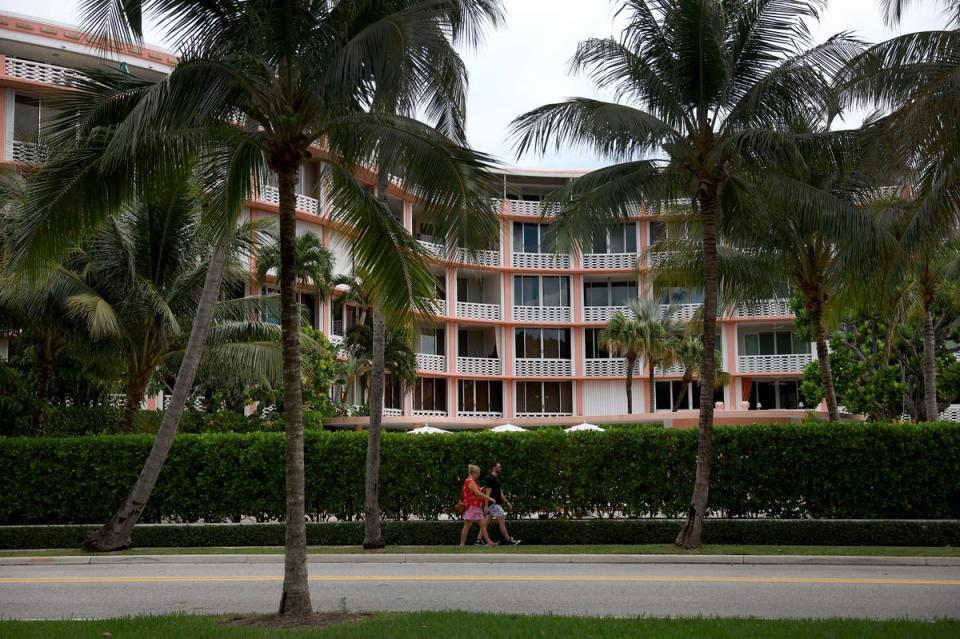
712	80
314	263
656	331
281	79
688	350
622	336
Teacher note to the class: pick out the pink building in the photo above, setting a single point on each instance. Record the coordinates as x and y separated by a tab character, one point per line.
514	337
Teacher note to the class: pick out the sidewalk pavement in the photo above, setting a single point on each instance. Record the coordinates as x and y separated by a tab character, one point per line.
480	558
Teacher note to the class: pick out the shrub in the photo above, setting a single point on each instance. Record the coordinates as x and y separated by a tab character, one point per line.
855	471
532	531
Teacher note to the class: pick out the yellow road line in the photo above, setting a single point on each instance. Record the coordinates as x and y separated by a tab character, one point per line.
474	578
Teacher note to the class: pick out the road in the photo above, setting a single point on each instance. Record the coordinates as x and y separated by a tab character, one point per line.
879	592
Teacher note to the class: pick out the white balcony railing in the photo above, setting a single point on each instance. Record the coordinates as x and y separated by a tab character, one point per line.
393	412
533	209
535	415
681	312
433	249
951	413
436	307
29	152
765	308
610	367
480	258
480	414
431	363
609	260
602	313
479	366
658	257
542	314
545	367
773	363
674	370
429	413
305	203
541	260
39	72
337	327
476	310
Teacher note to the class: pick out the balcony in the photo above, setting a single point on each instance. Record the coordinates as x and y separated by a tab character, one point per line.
29	152
532	209
431	363
602	313
436	307
535	415
542	367
609	260
479	366
681	312
393	412
542	314
610	367
765	308
541	260
479	258
794	363
675	370
477	310
429	413
437	251
39	72
305	203
480	414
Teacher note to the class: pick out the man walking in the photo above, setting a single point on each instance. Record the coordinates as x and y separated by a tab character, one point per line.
491	486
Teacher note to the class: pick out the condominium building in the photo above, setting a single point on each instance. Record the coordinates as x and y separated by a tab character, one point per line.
514	336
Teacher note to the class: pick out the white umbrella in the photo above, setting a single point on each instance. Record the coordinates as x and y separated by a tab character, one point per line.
508	428
429	430
584	426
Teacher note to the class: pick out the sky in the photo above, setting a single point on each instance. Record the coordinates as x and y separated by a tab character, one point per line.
525	63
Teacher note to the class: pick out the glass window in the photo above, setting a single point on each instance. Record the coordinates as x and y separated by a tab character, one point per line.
531	238
551	397
548	242
564	337
556	291
595	294
630	238
663	395
531	343
800	346
616	241
767	346
26	119
784	343
520	342
789	394
430	342
594	350
551	342
622	292
658	231
751	343
599	244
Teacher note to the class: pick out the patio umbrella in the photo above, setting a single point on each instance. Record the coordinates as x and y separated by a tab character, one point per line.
428	430
508	428
582	427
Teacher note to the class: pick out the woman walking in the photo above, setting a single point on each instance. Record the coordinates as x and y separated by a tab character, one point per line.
475	499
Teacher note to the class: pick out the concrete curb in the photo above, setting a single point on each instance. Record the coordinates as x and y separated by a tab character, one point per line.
476	558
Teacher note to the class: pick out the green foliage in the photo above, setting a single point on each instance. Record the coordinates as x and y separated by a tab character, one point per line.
807	532
318	361
802	327
780	471
811	385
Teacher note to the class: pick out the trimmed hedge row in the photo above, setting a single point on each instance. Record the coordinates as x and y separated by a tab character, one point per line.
830	471
822	532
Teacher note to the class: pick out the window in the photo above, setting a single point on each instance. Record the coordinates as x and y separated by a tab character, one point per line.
475	343
773	394
668	392
471	289
430	341
622	239
480	396
662	231
430	393
592	347
535	290
774	343
540	343
532	238
392	392
545	397
609	293
678	295
26	119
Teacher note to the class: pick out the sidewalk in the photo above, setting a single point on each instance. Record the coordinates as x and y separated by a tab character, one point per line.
477	558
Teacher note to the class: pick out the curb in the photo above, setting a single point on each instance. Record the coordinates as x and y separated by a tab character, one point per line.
458	558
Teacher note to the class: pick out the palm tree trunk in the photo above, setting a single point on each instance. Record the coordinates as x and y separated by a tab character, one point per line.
373	536
929	363
136	388
691	535
682	395
116	533
295	599
630	365
823	356
651	408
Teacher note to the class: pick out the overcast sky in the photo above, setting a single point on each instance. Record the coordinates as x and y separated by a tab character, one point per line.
524	65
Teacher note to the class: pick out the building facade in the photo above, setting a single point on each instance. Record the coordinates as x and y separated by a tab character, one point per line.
514	336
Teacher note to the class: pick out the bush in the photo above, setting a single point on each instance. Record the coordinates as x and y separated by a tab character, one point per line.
532	531
857	471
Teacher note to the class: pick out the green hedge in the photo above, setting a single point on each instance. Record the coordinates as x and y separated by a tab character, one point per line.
880	532
827	471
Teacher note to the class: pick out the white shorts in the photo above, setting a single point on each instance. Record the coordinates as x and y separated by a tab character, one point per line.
497	511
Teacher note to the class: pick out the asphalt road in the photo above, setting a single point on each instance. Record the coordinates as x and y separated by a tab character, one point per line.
879	592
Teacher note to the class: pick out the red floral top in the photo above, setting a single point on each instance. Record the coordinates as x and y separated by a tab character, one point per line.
467	495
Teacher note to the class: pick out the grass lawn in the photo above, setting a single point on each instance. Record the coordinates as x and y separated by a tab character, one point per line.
457	624
648	549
